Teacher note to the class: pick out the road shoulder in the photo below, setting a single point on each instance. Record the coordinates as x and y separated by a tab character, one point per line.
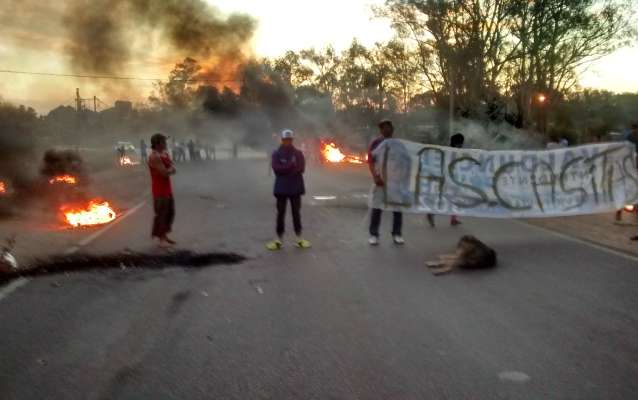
599	229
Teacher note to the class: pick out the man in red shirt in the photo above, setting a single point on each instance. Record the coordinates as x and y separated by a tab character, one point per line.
161	168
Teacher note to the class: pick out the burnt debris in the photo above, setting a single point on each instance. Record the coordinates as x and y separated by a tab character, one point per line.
84	262
64	162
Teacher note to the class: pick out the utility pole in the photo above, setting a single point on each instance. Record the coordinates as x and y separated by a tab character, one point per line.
94	103
78	100
451	124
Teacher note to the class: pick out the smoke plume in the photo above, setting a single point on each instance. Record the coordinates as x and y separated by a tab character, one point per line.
102	33
17	127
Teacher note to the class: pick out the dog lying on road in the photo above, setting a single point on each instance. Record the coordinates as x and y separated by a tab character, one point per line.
470	253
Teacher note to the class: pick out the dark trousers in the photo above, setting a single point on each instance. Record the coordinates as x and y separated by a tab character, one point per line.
375	222
295	204
164	208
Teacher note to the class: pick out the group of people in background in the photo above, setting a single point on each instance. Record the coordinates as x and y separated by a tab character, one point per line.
180	151
192	150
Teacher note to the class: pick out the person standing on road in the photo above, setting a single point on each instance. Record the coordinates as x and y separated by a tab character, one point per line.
457	141
386	130
161	168
289	165
121	153
191	150
143	151
633	138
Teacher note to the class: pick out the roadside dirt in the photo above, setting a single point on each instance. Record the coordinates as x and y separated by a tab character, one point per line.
599	228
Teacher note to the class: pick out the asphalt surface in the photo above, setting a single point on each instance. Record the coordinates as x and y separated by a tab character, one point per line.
556	319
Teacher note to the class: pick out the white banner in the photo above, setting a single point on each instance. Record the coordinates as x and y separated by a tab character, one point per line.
505	184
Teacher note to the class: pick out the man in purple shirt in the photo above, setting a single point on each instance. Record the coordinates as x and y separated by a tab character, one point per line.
289	165
386	130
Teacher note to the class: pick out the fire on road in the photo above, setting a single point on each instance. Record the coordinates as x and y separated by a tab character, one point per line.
95	213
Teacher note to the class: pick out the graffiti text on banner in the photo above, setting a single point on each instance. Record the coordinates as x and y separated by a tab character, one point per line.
505	184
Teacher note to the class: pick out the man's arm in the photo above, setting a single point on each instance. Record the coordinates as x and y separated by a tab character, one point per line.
302	162
279	167
371	166
156	163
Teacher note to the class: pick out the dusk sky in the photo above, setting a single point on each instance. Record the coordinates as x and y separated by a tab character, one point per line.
29	45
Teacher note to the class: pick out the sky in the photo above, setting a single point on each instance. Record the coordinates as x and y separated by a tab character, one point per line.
282	25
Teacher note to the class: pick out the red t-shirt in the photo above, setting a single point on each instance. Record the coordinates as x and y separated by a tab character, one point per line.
161	185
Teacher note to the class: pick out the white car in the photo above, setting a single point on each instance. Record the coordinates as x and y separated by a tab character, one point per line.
128	146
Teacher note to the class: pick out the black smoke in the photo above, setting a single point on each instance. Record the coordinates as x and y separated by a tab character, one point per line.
18	126
100	32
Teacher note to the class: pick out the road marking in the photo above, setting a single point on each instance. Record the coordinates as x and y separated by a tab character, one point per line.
95	235
514	376
259	289
11	287
71	250
596	246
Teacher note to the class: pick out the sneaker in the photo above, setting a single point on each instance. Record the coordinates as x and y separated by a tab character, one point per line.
373	241
398	239
274	245
303	243
165	244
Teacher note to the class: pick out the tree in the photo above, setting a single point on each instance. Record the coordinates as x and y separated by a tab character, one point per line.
557	37
179	91
363	77
473	52
18	126
325	66
462	46
403	73
292	70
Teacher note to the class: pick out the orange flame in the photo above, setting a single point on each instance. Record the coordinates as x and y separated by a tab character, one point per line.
3	188
334	155
96	213
68	179
630	208
127	161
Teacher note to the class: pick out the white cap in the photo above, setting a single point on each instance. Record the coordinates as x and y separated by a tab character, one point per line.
287	134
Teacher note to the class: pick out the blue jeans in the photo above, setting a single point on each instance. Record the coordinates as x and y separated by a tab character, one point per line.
295	203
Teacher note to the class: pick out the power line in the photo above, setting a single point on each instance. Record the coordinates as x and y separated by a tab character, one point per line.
114	77
78	75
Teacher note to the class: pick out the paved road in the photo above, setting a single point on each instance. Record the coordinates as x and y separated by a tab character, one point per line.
556	320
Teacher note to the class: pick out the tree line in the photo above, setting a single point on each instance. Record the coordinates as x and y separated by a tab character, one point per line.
513	61
499	62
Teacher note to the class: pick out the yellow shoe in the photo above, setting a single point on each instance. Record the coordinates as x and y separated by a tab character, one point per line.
303	244
274	245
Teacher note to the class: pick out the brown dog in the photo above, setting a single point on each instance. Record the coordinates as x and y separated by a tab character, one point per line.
470	253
